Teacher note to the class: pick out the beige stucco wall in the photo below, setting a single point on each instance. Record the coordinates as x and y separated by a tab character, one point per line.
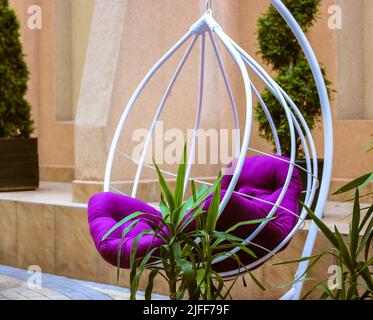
145	29
353	84
368	53
72	22
55	56
81	18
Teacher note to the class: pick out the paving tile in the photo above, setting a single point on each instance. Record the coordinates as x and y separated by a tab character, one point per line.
13	286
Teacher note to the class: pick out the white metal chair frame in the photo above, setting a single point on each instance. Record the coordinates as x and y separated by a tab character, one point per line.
206	26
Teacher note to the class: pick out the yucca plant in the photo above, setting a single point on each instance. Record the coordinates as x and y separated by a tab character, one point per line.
352	255
185	259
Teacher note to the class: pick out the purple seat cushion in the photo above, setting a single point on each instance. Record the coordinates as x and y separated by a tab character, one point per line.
262	177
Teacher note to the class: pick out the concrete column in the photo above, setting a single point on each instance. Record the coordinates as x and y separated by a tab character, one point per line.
63	61
97	89
368	63
350	59
81	19
72	22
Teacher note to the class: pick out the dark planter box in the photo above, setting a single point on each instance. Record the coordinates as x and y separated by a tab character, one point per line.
19	165
304	175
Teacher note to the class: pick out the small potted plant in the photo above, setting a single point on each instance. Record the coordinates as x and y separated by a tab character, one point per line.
19	168
280	50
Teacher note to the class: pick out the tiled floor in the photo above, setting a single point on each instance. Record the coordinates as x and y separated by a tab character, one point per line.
18	284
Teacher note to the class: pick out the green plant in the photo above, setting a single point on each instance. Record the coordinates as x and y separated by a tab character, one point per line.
15	111
352	255
280	49
185	258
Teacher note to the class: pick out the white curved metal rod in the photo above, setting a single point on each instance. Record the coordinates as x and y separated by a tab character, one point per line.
228	275
311	171
206	25
117	190
269	118
290	171
155	263
328	136
229	90
298	129
146	165
227	43
271	203
131	103
284	160
301	216
314	178
296	165
269	255
158	114
288	295
310	191
199	112
308	199
271	85
300	133
308	202
249	113
210	184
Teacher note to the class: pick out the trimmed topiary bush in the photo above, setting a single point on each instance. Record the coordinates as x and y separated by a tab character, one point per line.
280	49
15	111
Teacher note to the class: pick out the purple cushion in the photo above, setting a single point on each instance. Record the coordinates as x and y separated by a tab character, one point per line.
261	176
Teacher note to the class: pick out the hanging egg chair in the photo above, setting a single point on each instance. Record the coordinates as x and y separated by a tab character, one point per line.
263	186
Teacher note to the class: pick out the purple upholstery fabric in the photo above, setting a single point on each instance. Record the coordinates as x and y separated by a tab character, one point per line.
262	177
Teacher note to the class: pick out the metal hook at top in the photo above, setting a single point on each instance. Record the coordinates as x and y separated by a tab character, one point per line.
208	6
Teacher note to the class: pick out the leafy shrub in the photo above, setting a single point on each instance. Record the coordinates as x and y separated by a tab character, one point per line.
280	49
15	111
